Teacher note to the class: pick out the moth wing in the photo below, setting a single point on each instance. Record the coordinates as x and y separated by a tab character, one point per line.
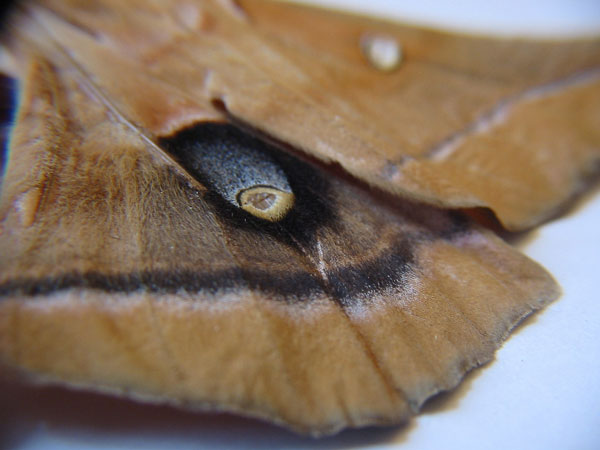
463	121
120	274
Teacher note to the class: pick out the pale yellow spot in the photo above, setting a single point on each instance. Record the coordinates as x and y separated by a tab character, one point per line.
266	202
383	52
27	205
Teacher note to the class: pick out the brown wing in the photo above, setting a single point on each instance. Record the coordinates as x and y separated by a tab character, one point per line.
119	272
462	122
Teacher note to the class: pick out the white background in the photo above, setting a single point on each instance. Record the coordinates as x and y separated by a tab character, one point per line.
541	392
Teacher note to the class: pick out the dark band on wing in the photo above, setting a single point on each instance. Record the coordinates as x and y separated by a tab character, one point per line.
345	283
313	212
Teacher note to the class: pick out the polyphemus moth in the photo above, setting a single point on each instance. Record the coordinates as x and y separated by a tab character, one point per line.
259	208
